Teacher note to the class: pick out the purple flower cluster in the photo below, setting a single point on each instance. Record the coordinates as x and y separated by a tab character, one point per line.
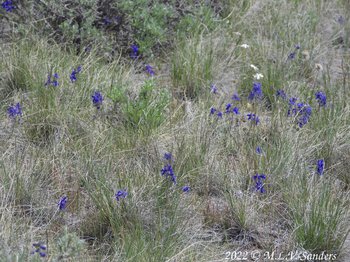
213	89
292	55
321	98
167	156
134	52
231	109
300	110
280	93
258	150
253	118
213	110
320	167
62	204
259	183
8	6
235	97
167	170
256	92
39	248
97	99
186	189
73	75
53	82
121	194
14	111
149	70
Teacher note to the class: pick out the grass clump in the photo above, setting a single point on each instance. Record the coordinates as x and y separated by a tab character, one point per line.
174	131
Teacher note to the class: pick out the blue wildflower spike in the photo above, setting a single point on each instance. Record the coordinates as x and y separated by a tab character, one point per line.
186	189
8	6
121	194
235	97
14	111
213	89
167	156
259	182
73	75
97	99
134	51
321	98
235	110
228	106
149	70
280	93
256	92
254	118
40	249
53	82
62	204
320	166
291	56
258	150
168	171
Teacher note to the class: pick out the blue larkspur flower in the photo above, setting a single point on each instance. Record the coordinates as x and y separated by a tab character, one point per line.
134	51
300	110
73	75
280	93
254	118
297	46
149	70
235	97
213	89
186	189
304	113
259	182
256	92
228	106
320	166
212	110
121	194
97	99
14	110
235	110
321	98
258	150
53	82
8	6
219	114
62	204
168	171
167	156
292	100
291	56
40	249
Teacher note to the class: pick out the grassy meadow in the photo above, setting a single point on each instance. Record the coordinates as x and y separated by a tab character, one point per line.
173	131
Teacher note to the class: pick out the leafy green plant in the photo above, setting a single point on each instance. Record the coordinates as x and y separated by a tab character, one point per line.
70	245
147	111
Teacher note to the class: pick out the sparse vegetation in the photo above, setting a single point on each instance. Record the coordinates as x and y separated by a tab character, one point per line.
174	130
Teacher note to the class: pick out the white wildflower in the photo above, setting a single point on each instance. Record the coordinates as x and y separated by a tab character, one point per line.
254	67
258	76
245	46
